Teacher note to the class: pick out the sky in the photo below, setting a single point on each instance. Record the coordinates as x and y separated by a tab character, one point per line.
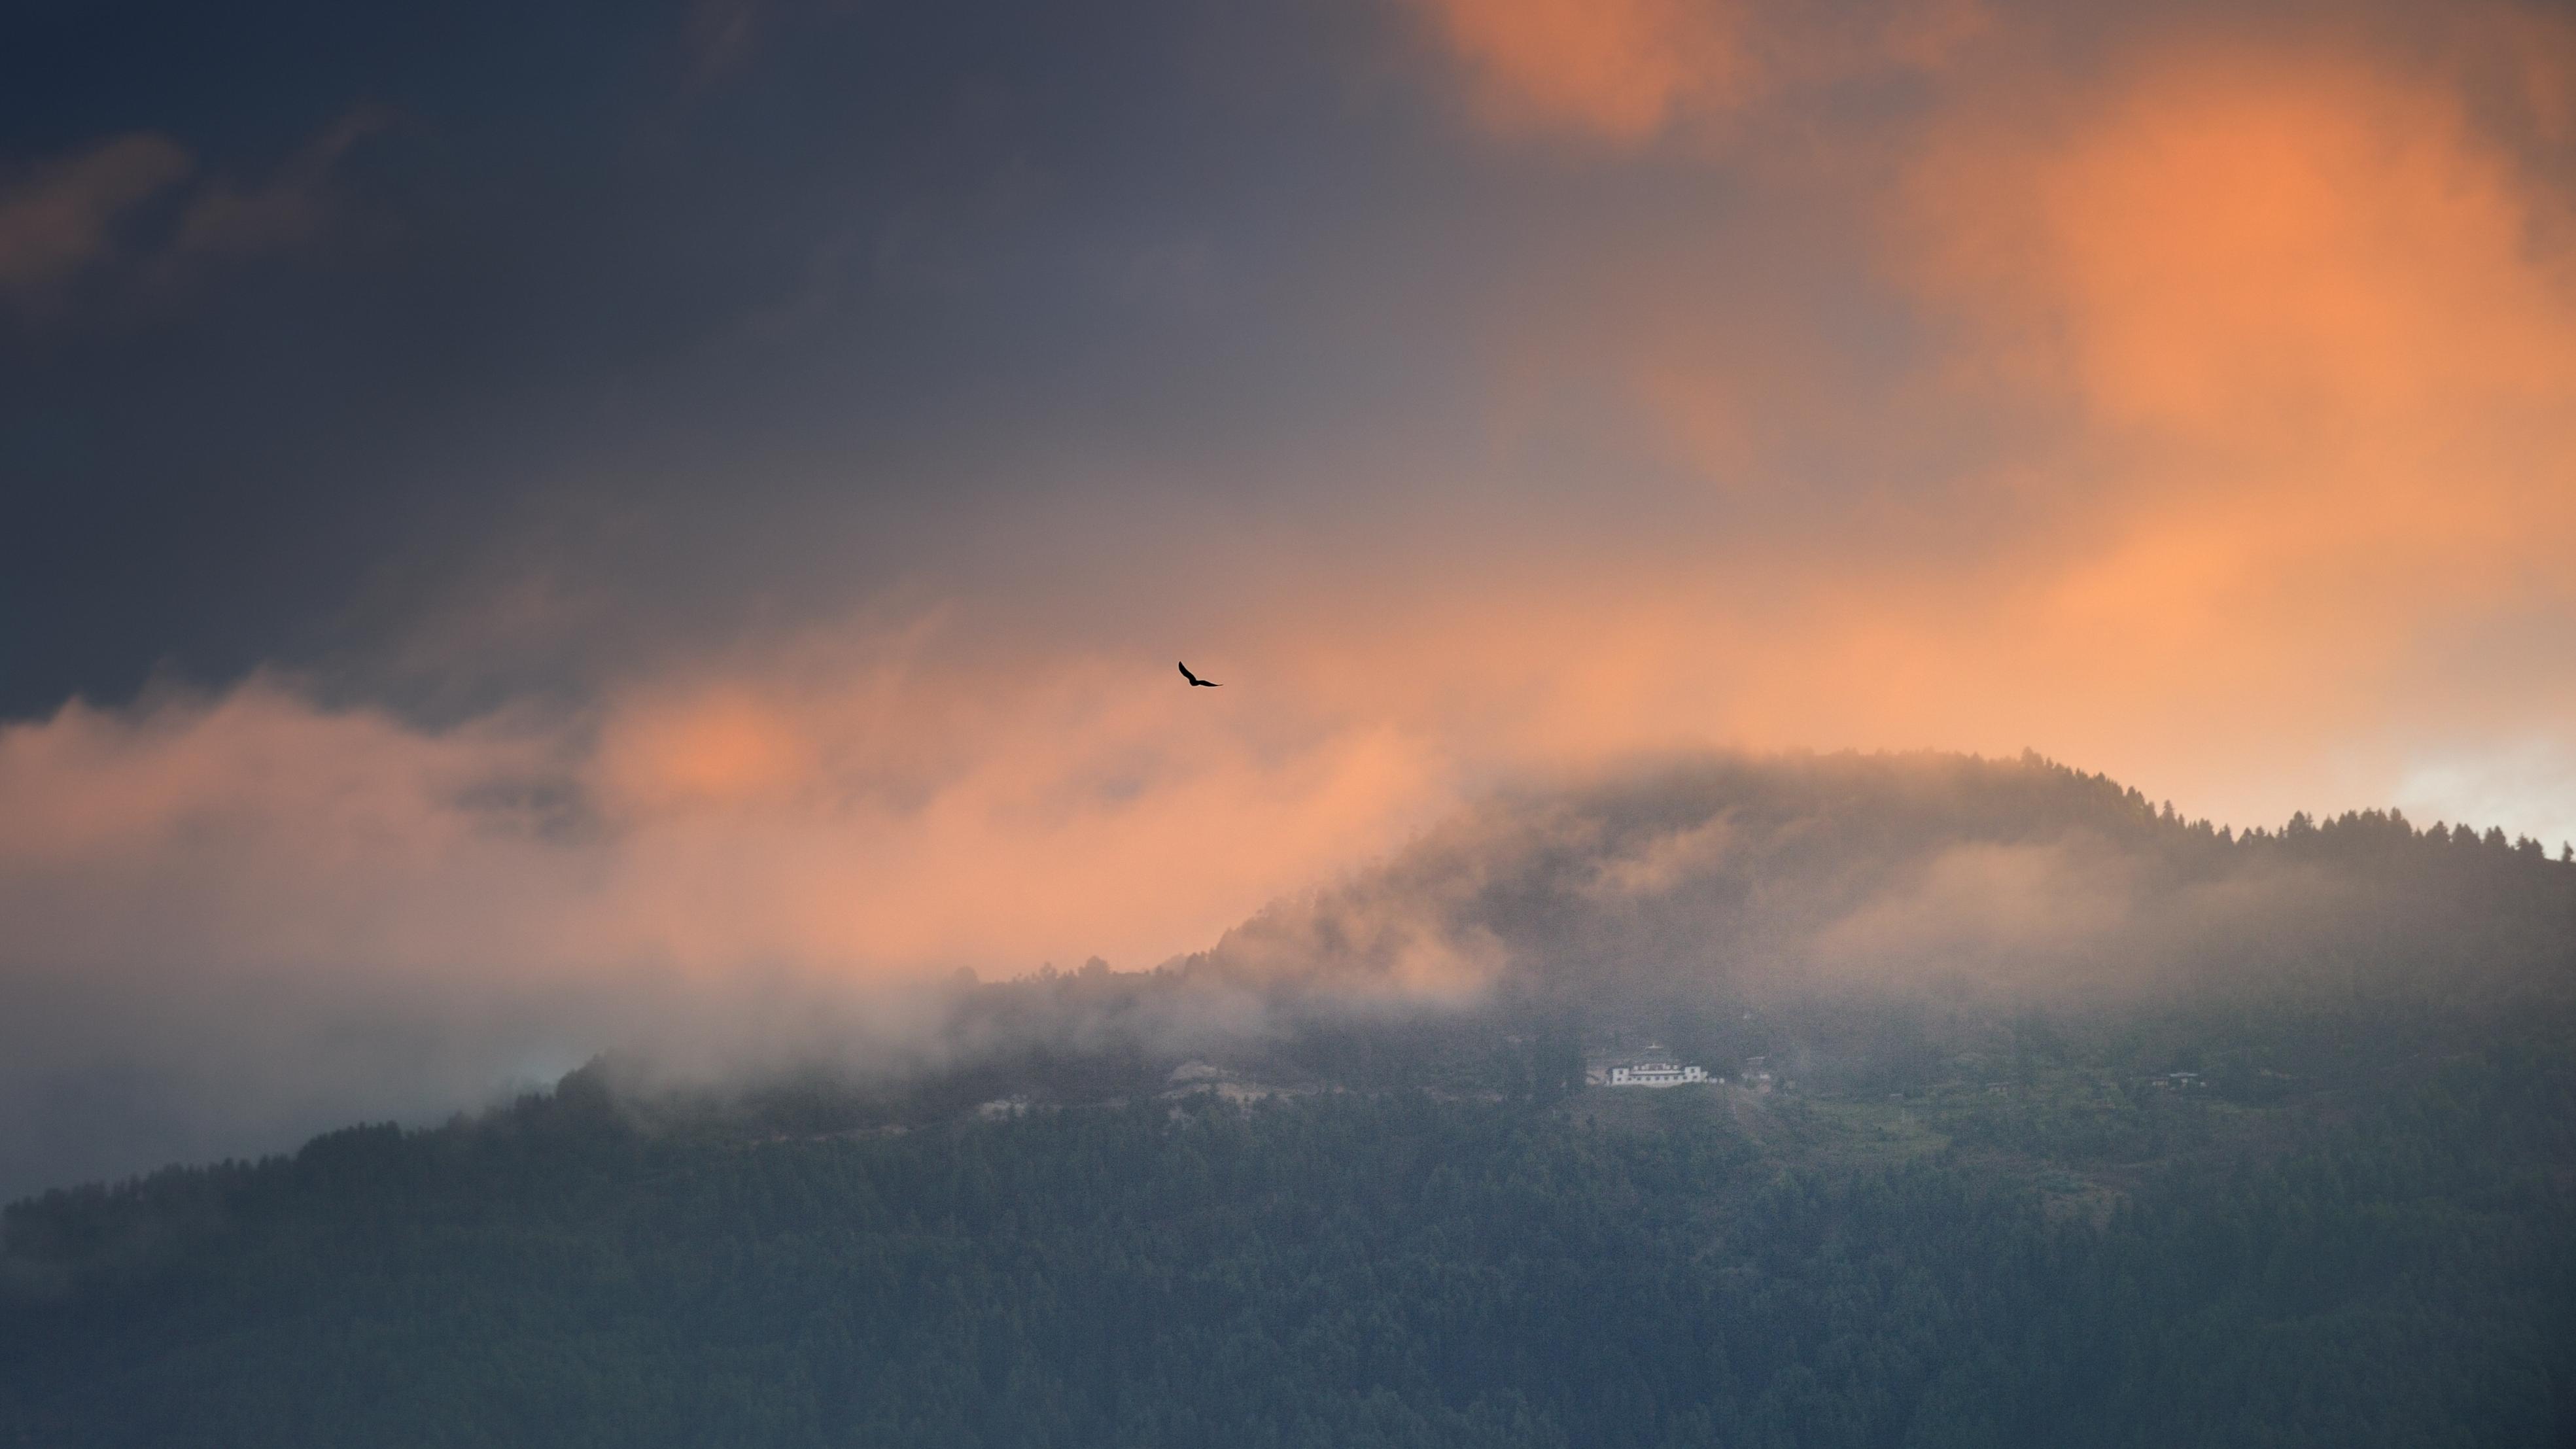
517	509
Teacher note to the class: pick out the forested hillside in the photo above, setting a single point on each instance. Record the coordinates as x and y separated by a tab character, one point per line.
2052	1118
2384	1257
1924	874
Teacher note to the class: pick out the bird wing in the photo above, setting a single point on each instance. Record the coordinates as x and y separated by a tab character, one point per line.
1185	674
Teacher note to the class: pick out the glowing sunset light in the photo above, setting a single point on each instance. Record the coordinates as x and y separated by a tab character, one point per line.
490	545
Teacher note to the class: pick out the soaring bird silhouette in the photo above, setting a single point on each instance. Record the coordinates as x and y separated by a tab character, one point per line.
1198	683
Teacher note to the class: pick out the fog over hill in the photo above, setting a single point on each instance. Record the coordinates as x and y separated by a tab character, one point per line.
1854	905
2050	1119
1943	874
1654	900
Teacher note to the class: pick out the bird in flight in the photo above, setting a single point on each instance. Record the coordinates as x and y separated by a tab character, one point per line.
1198	683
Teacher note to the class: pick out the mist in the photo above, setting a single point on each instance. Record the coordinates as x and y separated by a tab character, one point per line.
238	920
2023	882
483	623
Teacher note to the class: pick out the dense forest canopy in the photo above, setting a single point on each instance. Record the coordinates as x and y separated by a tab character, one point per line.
2383	1257
2051	1118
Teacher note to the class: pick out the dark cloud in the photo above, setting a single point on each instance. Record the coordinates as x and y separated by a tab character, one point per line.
545	500
59	218
679	321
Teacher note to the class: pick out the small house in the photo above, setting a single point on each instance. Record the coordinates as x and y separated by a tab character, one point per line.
1656	1074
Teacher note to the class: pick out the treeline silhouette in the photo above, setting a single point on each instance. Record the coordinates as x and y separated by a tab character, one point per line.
2019	879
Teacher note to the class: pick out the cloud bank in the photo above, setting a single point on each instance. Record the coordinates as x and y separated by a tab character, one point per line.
240	917
2006	885
2190	394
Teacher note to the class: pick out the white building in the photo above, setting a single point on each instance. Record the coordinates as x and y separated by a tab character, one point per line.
1656	1074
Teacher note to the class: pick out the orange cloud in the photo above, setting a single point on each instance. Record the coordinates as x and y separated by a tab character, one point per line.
714	747
2238	424
900	819
1621	69
2246	242
1627	71
2323	348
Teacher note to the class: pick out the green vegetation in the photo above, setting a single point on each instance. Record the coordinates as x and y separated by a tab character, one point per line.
2380	1250
2057	1120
